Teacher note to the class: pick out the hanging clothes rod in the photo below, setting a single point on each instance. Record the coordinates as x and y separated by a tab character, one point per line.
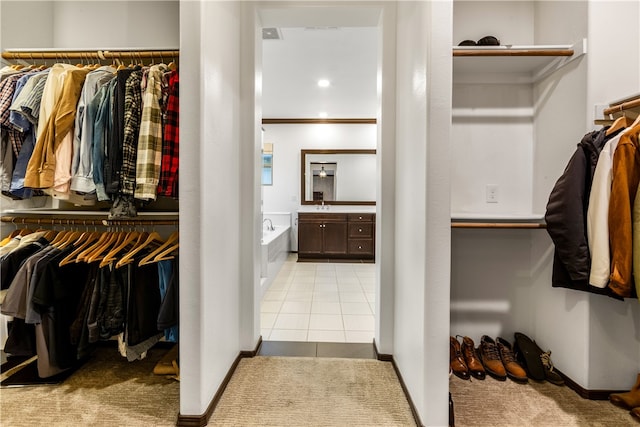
87	222
89	54
634	103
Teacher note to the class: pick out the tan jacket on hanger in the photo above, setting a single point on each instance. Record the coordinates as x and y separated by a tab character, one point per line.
41	168
626	177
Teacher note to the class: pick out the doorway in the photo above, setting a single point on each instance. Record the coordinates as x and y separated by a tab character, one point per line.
312	74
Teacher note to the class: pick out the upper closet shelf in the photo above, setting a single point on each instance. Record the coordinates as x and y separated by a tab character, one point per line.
512	64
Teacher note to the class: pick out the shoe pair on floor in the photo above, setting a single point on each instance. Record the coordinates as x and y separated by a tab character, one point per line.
500	360
629	400
493	357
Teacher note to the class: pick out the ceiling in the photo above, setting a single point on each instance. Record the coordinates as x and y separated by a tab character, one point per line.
293	64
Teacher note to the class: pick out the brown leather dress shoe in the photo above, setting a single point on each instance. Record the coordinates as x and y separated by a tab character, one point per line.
491	358
514	370
456	361
628	400
471	358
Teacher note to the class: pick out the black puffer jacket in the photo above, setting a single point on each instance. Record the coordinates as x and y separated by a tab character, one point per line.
566	216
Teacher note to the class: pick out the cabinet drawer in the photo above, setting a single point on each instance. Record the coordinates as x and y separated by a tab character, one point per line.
366	217
360	230
306	216
361	246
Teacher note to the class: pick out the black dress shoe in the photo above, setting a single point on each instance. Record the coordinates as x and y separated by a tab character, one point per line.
528	354
536	362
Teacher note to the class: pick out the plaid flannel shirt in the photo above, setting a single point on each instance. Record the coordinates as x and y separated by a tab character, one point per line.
169	170
7	90
132	115
149	156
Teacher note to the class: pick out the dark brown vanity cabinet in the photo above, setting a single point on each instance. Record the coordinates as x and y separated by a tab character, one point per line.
336	235
362	229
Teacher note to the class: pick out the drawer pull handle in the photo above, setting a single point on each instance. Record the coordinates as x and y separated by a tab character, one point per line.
360	230
359	247
359	217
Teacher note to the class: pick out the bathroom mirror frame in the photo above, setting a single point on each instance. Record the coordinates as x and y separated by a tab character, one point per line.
304	163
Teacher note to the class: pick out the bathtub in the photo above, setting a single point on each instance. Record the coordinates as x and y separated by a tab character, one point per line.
275	249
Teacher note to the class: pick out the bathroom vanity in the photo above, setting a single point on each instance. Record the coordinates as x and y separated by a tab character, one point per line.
329	235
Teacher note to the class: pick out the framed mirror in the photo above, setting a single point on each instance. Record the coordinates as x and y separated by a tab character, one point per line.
338	177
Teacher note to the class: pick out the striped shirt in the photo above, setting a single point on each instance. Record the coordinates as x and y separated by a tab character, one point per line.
30	106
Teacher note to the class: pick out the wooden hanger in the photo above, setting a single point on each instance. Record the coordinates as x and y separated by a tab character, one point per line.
167	253
153	239
50	235
633	127
169	242
115	239
7	239
59	237
84	254
620	123
69	238
82	243
129	239
15	233
24	231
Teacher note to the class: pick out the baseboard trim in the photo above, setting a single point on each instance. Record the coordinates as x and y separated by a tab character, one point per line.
203	420
389	358
585	393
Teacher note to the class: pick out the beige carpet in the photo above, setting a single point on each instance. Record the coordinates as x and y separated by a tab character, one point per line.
307	391
535	404
106	391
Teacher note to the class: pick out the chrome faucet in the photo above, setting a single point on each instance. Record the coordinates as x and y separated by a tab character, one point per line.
270	227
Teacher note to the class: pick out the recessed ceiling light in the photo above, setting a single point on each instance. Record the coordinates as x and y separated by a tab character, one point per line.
323	83
323	115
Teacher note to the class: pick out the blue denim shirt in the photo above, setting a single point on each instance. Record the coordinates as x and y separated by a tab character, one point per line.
82	163
101	132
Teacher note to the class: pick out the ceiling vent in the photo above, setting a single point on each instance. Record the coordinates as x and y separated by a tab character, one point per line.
271	34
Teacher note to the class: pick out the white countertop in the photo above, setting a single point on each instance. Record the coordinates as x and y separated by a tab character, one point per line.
337	208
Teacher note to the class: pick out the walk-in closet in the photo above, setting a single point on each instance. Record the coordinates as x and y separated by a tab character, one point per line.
519	110
470	141
90	203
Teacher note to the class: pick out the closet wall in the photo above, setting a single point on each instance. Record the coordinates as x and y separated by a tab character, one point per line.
501	279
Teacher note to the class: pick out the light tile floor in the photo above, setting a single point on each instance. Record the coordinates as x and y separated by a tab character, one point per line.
321	302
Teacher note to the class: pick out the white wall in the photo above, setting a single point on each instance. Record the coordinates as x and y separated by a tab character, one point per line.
211	207
90	24
113	24
560	98
492	133
32	15
289	139
509	21
422	233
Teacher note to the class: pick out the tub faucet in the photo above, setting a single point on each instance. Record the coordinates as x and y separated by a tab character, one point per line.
270	227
